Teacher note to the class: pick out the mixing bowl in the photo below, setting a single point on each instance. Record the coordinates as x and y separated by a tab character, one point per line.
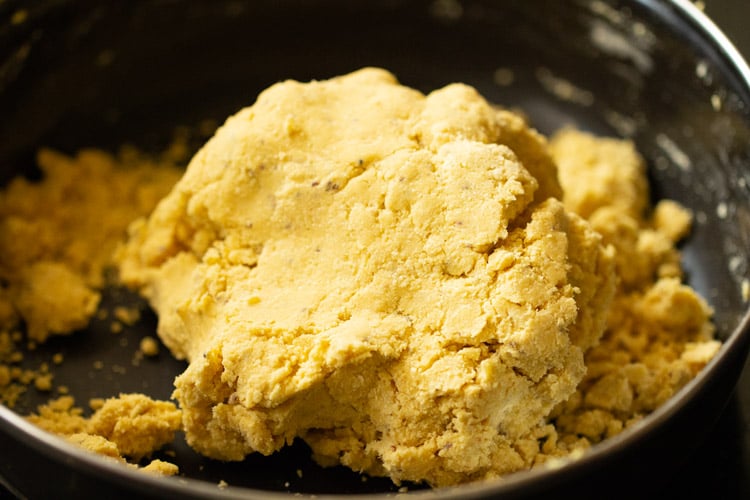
83	73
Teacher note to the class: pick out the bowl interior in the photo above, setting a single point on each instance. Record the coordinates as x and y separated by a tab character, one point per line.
80	74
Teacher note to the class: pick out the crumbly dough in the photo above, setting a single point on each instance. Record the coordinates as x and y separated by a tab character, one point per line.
382	273
659	333
14	379
387	275
57	237
129	426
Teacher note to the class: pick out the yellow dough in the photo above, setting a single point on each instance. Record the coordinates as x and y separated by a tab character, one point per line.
659	334
418	286
57	236
129	425
387	275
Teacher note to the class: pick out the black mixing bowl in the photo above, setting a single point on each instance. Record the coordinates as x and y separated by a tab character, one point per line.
85	73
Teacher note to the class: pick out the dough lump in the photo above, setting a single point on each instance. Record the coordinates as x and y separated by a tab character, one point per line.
129	425
659	333
387	275
57	236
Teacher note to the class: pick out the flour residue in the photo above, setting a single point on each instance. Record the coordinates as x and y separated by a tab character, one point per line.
674	152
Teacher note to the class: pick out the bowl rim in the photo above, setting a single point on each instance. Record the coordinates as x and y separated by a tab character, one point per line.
736	345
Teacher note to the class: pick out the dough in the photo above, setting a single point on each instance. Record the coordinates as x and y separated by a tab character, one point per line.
57	236
130	425
659	333
387	275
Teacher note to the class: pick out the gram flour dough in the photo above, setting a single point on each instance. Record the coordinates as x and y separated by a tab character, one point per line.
386	275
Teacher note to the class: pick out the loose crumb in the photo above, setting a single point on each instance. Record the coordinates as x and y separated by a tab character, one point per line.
149	346
4	376
130	426
43	382
161	468
96	403
127	315
19	17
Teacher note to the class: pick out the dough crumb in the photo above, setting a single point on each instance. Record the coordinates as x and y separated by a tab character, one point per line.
161	468
149	346
15	379
96	403
43	382
130	426
127	315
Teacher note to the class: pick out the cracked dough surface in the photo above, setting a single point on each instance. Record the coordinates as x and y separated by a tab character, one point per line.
387	275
